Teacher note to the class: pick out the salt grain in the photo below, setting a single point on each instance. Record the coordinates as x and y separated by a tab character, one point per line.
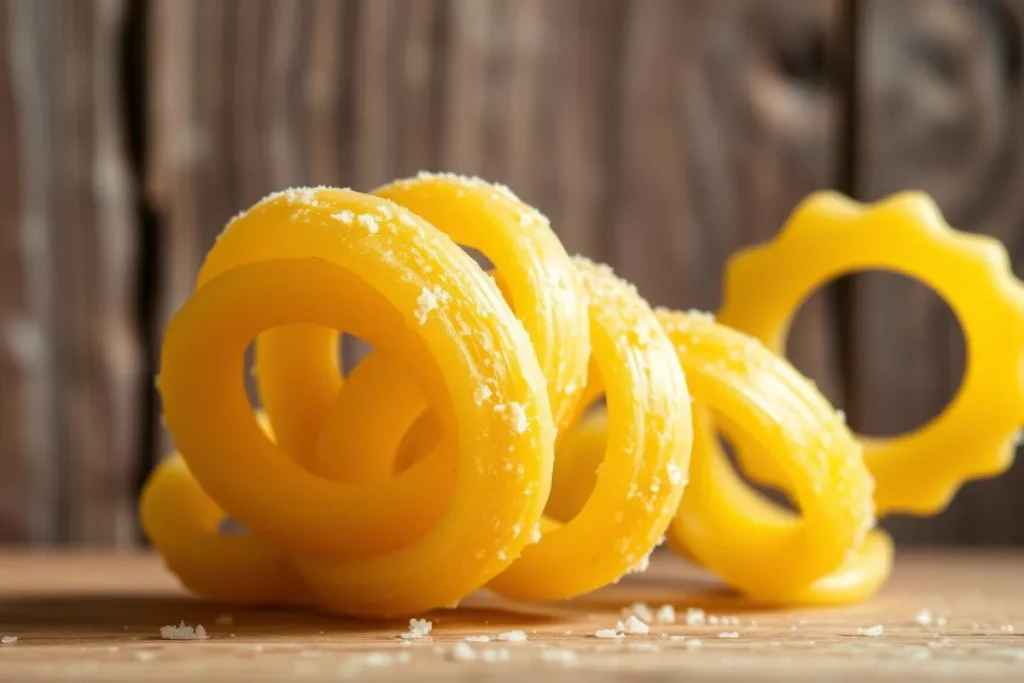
478	639
607	633
481	394
666	615
923	617
425	303
640	610
641	565
9	640
369	222
729	634
345	216
183	632
870	630
695	616
633	626
512	636
418	628
517	414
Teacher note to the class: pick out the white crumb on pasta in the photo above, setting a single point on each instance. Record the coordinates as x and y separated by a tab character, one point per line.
369	222
517	414
425	303
345	216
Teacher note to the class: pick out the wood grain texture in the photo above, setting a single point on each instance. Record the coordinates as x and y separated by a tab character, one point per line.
728	116
658	136
97	618
940	105
70	343
15	352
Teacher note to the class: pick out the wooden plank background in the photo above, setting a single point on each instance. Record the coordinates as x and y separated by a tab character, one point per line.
658	135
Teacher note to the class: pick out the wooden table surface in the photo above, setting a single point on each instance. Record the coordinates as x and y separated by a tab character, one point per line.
97	617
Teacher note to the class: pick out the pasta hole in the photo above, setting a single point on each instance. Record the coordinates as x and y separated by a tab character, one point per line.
351	351
883	347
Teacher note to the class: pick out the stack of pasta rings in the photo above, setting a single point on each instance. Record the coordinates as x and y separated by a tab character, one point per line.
464	451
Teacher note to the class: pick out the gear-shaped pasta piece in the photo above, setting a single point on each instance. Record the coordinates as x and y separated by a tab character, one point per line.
830	235
293	260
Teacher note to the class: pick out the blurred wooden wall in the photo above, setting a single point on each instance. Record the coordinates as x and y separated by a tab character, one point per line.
658	135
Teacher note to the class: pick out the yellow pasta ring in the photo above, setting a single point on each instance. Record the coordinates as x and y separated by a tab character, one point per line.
183	522
643	473
372	283
537	278
640	483
738	534
581	451
829	236
722	522
296	364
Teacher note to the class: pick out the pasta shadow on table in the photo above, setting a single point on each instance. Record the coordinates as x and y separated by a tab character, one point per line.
139	612
140	616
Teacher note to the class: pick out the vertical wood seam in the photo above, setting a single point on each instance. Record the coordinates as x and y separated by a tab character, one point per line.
133	84
847	170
